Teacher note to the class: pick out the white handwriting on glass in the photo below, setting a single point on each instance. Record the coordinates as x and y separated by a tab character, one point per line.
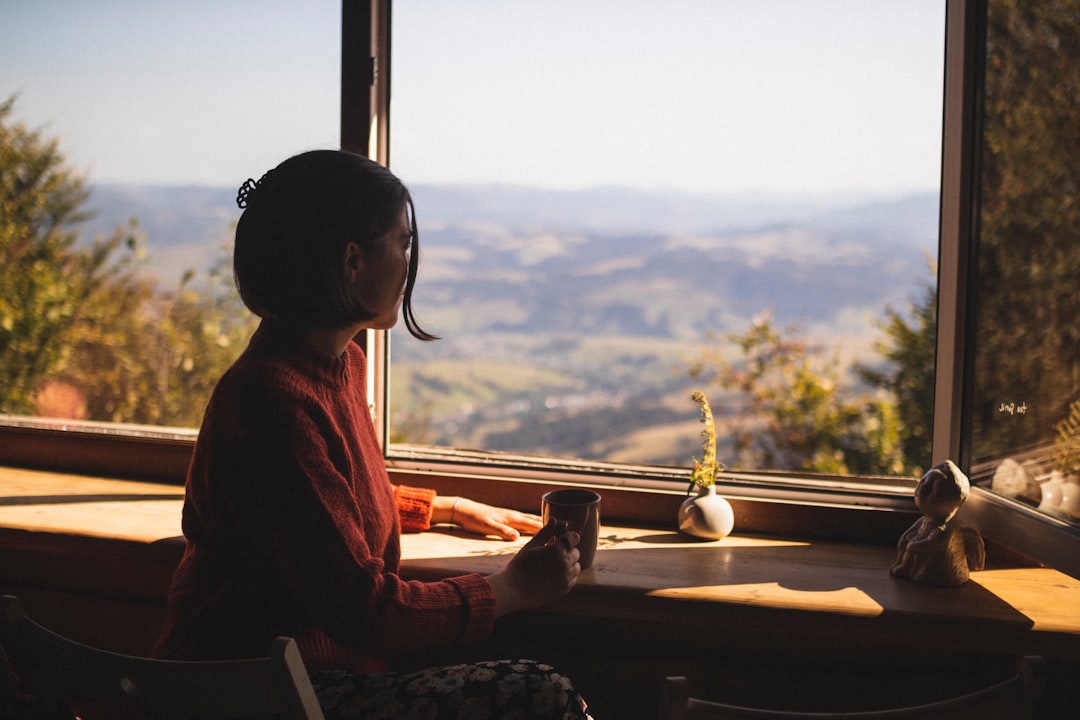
1013	408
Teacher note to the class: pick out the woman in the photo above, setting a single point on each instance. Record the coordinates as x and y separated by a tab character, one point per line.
292	525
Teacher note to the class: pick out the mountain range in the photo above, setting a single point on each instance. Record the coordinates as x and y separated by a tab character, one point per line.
564	310
606	260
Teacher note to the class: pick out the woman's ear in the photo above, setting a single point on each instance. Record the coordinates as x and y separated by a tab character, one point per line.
354	259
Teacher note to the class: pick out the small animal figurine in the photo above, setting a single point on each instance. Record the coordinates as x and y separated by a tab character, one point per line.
936	550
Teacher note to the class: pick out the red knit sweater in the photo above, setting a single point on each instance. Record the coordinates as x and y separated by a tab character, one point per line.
293	527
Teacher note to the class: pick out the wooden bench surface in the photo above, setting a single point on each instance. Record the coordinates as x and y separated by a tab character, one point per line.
738	585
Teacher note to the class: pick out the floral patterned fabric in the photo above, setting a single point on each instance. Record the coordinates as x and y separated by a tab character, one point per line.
492	690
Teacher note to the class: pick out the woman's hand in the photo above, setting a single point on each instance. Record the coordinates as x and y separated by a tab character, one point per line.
543	570
476	517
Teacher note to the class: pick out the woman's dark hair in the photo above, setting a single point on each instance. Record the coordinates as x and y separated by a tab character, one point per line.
290	241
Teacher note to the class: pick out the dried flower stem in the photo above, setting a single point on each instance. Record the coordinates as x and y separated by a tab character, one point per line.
705	470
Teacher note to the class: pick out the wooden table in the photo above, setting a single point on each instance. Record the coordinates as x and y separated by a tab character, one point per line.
640	574
654	595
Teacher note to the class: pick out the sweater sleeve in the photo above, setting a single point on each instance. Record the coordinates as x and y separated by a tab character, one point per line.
352	588
414	507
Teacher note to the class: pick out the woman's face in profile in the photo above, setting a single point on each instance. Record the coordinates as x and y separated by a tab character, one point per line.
380	283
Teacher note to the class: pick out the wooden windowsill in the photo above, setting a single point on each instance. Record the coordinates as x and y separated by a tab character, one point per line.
743	589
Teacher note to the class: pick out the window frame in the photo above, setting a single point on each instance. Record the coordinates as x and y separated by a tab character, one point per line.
1047	539
889	493
850	491
864	508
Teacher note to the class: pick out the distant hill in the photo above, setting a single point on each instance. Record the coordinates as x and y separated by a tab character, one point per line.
613	261
570	318
185	226
627	210
168	215
607	260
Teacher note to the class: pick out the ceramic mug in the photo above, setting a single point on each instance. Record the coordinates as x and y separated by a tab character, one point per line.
580	510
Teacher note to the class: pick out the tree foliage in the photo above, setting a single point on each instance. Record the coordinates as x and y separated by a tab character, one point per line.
84	330
49	284
1026	349
155	356
909	351
1027	343
799	408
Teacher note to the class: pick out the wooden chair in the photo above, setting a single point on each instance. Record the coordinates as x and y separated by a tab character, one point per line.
1013	699
60	674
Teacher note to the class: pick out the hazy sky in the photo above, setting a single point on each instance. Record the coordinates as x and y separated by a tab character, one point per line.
711	96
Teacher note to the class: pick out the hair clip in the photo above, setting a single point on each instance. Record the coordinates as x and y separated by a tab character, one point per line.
246	192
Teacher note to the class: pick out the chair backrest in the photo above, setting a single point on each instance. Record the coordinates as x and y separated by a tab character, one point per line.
60	672
1013	699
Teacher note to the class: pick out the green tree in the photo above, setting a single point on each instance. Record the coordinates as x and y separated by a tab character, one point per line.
91	366
87	322
48	283
796	409
1026	349
153	357
909	351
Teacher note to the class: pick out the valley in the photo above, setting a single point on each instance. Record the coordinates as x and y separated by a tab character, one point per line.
570	321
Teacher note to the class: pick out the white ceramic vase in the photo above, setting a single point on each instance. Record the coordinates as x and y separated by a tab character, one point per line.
1051	494
706	515
1070	497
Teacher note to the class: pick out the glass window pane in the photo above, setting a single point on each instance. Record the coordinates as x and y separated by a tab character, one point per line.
162	110
622	202
1024	431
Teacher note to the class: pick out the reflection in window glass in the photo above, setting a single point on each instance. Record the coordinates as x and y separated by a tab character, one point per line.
159	111
618	205
1025	404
